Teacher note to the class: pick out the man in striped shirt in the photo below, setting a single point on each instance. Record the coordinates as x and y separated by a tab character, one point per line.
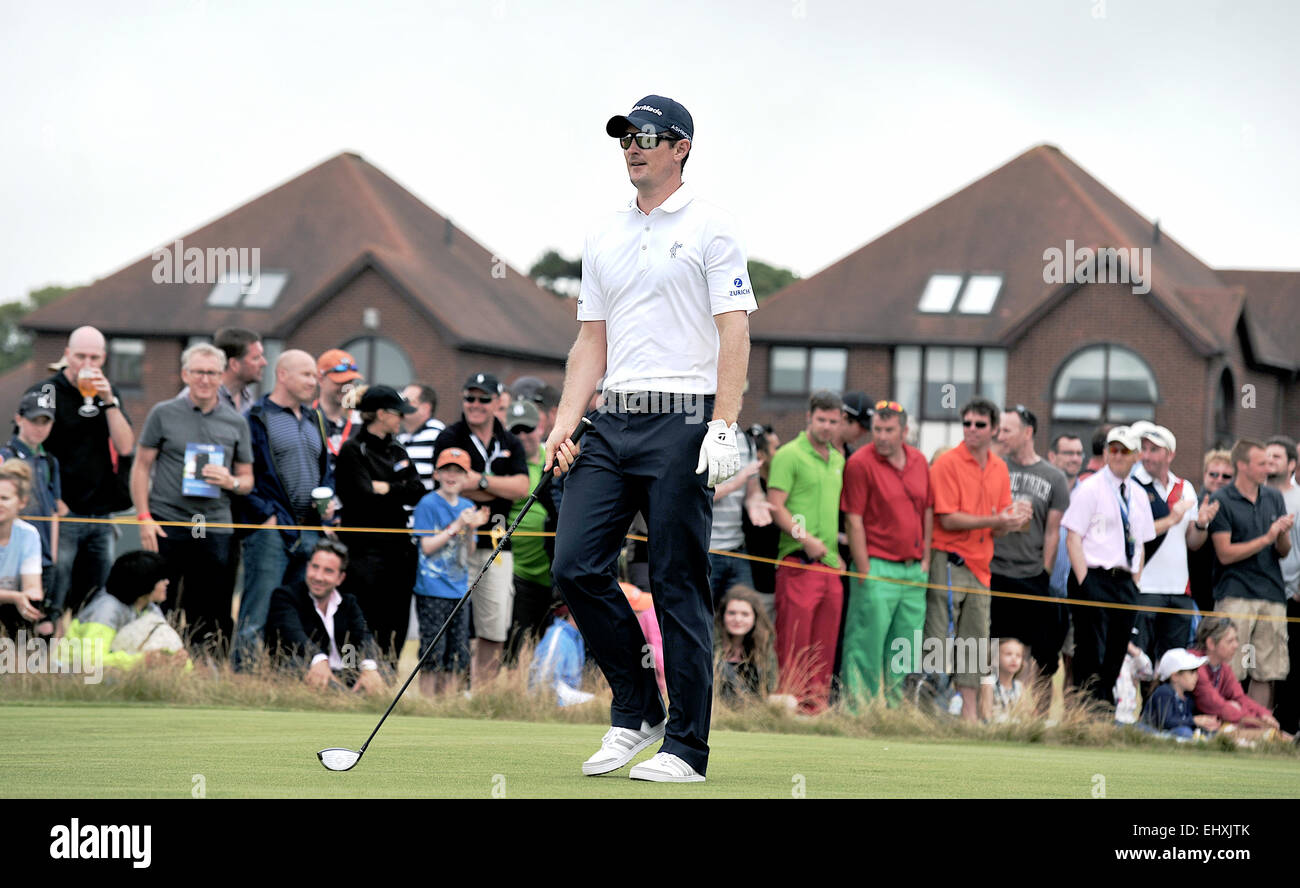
420	429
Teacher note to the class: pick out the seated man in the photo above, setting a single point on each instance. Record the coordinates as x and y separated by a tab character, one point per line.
136	585
314	627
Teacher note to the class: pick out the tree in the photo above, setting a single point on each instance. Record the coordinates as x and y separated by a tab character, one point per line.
553	272
16	343
767	279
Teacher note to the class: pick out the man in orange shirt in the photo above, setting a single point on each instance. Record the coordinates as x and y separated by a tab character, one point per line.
972	504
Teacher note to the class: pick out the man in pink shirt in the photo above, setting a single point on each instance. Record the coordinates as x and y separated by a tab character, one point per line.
1107	524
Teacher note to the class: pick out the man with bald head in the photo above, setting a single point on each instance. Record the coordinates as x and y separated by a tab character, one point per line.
290	459
89	439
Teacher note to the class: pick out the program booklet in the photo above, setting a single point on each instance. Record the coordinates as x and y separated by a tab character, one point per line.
196	457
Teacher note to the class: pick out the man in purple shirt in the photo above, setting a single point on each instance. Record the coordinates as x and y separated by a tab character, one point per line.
1107	525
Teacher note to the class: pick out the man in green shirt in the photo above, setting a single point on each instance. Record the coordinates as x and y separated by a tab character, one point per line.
803	488
533	595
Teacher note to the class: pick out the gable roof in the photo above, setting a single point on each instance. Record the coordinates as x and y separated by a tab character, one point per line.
1000	224
323	227
1272	300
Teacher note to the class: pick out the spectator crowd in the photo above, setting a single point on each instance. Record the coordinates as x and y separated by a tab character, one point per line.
845	565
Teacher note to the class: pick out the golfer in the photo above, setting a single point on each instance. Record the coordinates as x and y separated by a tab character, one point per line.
664	312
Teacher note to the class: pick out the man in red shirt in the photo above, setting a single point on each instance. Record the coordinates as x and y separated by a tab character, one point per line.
889	515
972	504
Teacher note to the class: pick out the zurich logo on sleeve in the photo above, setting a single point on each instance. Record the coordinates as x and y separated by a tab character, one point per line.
741	289
738	282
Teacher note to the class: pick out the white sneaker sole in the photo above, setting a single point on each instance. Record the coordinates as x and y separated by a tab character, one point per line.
639	773
595	769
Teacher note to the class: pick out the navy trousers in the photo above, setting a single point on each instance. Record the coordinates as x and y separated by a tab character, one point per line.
644	462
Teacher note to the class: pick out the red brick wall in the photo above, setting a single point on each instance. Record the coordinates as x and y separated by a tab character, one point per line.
433	360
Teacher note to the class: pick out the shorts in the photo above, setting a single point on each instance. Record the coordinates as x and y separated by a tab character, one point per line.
970	616
452	652
1263	653
494	599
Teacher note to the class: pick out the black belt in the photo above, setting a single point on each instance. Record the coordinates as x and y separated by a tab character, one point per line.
1118	573
651	402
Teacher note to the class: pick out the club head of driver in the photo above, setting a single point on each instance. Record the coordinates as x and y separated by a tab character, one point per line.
338	759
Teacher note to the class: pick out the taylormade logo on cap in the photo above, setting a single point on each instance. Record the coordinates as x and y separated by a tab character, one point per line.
648	108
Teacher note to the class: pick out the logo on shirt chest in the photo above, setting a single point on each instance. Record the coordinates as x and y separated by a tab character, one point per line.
672	252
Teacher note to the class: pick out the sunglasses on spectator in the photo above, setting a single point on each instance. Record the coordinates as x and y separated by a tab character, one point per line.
478	399
889	405
644	141
522	430
342	368
1118	448
1226	476
975	423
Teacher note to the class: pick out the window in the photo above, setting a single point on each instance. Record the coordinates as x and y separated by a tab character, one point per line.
247	291
800	371
381	361
971	294
1225	399
1104	383
933	382
125	363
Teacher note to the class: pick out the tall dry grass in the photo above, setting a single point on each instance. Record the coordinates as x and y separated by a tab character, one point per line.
212	683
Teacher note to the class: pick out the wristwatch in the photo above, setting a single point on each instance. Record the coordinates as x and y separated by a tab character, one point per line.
482	482
234	485
113	403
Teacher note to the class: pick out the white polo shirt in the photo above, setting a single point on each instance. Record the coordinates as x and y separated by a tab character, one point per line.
657	280
1166	572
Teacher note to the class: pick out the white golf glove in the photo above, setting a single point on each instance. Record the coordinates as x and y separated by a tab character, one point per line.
718	453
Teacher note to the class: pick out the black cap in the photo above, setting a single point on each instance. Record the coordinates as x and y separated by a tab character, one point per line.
36	404
654	114
858	406
483	382
526	388
383	397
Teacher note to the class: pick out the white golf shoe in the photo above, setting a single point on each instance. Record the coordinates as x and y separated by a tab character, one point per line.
666	768
620	745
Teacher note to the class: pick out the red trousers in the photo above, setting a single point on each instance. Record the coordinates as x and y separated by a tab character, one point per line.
809	604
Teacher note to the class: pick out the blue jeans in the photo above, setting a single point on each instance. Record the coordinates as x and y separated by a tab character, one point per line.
726	571
268	563
89	549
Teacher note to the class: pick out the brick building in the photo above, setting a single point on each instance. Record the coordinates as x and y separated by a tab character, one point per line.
346	258
1035	285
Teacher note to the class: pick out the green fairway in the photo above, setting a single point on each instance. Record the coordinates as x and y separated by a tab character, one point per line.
148	751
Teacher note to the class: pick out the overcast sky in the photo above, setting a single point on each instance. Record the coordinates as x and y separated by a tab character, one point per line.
820	124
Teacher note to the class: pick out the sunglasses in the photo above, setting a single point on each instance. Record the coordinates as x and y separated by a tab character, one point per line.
889	405
1226	476
478	399
1118	448
645	141
522	430
975	423
342	368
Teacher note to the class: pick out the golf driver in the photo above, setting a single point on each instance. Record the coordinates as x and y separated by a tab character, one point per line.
336	758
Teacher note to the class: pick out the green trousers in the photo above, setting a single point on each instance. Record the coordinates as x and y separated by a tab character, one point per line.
878	613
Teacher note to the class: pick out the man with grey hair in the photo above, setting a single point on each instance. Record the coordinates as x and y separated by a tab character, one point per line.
194	455
90	437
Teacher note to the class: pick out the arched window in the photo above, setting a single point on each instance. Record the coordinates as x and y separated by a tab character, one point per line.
1104	383
381	361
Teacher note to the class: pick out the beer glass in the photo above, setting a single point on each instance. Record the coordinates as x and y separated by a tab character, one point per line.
86	385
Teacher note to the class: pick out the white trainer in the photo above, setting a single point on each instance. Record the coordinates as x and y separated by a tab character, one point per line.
620	745
666	768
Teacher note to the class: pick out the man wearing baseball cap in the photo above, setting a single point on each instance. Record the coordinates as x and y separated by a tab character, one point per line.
32	424
338	374
1180	527
1108	523
664	313
497	477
